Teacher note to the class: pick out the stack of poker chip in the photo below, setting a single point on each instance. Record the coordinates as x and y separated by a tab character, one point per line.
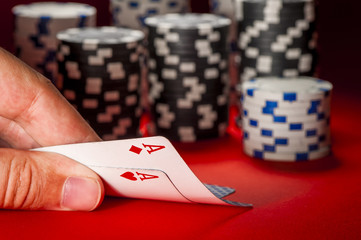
286	119
226	8
276	38
188	75
132	13
99	74
36	26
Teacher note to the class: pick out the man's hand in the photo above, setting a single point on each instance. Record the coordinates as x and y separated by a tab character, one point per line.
34	114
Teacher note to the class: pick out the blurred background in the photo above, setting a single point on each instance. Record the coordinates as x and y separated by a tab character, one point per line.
338	26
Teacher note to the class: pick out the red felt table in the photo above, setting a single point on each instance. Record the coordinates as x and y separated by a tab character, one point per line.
309	200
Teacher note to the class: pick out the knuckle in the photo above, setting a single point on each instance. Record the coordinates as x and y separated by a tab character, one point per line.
20	183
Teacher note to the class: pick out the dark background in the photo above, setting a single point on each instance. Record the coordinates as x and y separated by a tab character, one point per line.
338	26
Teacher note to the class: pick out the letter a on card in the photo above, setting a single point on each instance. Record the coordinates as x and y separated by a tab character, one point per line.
144	176
153	148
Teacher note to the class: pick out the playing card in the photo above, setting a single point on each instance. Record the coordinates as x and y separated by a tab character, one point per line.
139	183
148	168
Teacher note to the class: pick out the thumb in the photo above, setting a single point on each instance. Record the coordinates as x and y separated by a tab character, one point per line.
38	180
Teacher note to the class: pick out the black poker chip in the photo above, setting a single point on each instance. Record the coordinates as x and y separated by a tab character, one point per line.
274	46
276	38
188	65
287	5
189	133
100	73
93	58
271	30
182	89
185	49
283	14
279	72
109	120
188	75
173	74
279	59
171	60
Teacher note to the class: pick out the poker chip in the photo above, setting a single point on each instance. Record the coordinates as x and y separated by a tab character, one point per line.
286	89
286	119
226	8
276	38
36	26
286	157
132	13
222	7
188	75
100	76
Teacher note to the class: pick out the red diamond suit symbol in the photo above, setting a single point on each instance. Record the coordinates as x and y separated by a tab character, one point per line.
135	149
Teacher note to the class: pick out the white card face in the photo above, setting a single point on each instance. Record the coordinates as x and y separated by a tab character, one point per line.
150	156
139	183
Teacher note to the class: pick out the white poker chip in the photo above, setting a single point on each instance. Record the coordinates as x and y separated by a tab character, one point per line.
53	10
288	119
301	112
286	89
299	126
273	148
288	157
280	104
313	133
266	132
287	141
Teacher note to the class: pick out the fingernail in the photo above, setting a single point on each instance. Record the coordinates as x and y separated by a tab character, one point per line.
80	194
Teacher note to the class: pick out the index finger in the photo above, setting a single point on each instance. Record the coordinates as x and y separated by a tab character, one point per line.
33	102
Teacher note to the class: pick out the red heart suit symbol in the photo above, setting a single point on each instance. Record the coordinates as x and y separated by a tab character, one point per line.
129	176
